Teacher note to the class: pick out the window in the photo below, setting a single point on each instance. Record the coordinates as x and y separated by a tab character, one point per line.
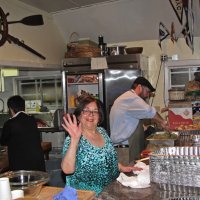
178	73
46	90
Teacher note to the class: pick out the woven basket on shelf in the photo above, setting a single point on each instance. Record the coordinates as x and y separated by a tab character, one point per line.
77	49
80	50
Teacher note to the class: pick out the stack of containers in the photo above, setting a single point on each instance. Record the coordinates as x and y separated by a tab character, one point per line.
176	169
189	138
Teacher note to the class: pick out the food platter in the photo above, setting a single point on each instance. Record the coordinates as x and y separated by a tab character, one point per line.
163	138
163	135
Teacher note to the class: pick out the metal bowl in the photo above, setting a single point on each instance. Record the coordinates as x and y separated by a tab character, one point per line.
30	182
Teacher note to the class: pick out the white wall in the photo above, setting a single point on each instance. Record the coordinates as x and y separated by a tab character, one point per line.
153	51
45	39
122	20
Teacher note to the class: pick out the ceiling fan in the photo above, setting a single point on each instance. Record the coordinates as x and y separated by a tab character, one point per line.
33	20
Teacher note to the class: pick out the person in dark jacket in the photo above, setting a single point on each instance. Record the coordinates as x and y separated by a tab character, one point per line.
22	138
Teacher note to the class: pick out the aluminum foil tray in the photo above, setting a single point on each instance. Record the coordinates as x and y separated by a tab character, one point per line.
176	169
185	198
162	141
189	132
170	195
189	138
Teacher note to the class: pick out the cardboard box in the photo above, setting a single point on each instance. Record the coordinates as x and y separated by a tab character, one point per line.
180	114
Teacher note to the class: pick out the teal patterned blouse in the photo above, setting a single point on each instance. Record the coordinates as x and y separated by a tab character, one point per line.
96	167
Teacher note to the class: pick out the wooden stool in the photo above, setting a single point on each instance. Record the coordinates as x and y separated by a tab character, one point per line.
47	147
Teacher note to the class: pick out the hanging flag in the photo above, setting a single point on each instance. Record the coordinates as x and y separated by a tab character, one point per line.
185	7
191	22
172	34
177	5
163	33
187	36
189	25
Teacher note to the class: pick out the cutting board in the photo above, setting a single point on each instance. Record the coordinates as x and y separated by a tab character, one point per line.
48	192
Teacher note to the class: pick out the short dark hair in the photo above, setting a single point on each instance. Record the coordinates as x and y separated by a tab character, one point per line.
16	103
134	85
84	101
142	81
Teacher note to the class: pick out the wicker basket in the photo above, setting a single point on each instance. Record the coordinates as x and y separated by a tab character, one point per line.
80	50
76	49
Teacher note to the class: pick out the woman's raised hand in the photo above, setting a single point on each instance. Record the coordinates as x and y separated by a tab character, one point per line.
71	125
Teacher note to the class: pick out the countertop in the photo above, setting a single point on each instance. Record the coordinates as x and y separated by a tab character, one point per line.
116	191
47	193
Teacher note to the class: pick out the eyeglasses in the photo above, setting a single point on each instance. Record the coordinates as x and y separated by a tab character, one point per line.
147	89
87	112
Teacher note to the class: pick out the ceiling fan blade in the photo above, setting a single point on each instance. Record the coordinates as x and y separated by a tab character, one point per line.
33	20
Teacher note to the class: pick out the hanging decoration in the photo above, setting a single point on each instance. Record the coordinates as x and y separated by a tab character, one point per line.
187	35
188	29
191	23
173	34
188	23
163	33
34	20
3	27
177	5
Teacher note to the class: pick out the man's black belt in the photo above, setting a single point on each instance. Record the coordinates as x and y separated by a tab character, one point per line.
121	146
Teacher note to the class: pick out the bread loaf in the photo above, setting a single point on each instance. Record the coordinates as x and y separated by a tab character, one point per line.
192	86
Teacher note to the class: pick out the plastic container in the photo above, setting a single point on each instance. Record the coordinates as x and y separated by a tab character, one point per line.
176	169
176	94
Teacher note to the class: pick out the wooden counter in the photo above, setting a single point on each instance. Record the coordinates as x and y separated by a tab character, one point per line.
48	192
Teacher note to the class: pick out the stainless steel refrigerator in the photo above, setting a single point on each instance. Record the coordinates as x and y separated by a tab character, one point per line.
78	77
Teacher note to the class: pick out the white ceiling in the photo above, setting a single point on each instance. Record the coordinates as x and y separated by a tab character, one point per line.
52	6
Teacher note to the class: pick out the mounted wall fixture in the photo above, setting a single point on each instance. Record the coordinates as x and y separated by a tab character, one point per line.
6	73
34	20
1	105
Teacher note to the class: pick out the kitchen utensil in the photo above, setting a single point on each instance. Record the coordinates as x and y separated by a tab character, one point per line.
143	159
30	182
134	50
116	50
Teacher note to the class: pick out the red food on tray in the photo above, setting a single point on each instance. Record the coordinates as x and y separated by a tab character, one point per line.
145	153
